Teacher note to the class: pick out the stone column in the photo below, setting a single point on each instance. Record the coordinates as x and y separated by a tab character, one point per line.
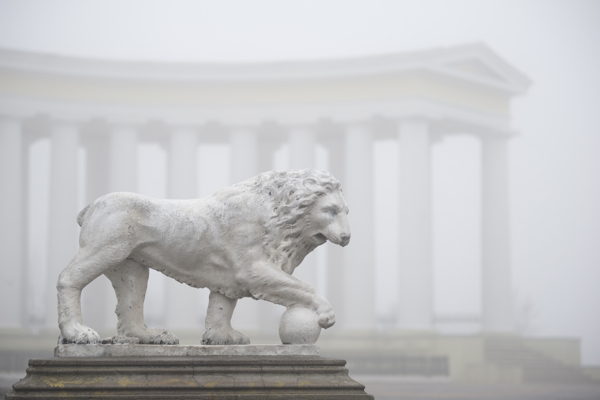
244	154
358	280
244	165
269	314
123	159
181	309
266	149
63	228
497	313
415	247
12	204
335	254
303	142
98	298
97	164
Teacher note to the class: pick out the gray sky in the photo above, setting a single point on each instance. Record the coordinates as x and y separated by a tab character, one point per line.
555	162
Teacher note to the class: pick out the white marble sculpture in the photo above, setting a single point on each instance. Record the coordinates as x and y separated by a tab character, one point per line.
243	241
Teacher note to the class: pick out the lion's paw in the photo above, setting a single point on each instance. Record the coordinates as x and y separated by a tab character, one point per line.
214	336
153	335
77	333
326	317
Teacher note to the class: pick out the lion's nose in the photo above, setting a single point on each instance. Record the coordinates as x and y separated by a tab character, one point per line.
345	240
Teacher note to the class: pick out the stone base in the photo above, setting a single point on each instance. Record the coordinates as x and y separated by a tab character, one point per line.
152	350
188	377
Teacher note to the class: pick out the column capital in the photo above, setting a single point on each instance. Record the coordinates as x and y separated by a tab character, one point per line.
413	118
243	128
119	124
298	124
412	123
364	124
495	138
182	127
58	124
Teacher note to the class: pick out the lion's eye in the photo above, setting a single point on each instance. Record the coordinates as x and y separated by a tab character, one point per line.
330	211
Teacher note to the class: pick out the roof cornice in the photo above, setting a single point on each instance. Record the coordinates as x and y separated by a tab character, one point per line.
434	60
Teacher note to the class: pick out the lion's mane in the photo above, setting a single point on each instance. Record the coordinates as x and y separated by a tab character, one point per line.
288	195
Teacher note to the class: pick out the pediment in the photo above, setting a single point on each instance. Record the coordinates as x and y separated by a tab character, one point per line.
479	64
476	68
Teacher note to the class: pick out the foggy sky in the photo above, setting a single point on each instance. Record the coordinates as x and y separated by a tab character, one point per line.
555	162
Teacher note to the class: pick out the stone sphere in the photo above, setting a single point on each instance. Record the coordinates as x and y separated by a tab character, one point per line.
299	326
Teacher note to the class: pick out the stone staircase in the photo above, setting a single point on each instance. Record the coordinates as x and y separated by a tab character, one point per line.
536	367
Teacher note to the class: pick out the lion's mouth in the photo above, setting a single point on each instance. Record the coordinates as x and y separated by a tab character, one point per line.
320	238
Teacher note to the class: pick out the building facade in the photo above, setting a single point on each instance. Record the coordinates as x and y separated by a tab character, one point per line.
107	108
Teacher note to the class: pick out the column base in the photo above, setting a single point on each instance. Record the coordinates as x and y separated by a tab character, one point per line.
189	377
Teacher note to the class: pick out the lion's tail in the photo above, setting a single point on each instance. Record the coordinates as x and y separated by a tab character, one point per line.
82	213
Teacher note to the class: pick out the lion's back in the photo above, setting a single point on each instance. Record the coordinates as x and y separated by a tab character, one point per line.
117	215
115	203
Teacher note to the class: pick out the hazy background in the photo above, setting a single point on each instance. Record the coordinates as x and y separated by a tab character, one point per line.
555	162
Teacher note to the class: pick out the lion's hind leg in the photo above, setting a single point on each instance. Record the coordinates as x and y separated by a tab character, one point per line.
130	281
218	322
87	265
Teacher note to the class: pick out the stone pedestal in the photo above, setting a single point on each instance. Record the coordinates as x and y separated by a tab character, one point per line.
187	372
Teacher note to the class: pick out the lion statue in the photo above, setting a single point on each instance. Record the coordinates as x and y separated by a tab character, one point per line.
246	240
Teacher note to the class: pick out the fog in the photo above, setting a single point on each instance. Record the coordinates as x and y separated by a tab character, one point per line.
554	165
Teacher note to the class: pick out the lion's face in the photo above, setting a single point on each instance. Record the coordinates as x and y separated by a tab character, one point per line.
329	221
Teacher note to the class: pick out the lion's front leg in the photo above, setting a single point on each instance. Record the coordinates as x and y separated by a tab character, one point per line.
270	283
218	322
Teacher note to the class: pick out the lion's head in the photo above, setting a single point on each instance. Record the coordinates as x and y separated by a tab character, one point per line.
305	207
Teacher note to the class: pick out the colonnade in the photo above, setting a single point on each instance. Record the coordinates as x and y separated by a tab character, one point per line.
350	272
